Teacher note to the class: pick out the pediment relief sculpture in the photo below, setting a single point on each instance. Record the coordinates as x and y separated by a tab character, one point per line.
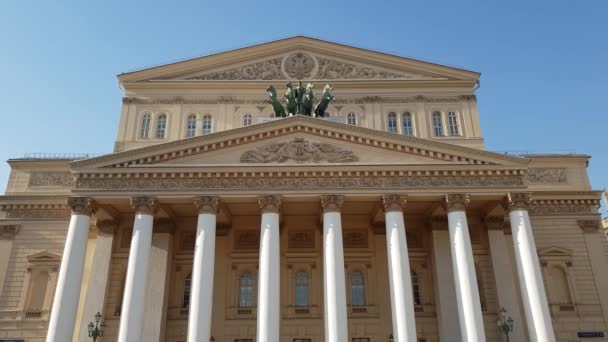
298	150
304	66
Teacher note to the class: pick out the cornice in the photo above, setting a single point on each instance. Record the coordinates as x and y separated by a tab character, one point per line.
299	124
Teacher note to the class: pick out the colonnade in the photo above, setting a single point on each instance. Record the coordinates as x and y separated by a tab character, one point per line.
538	320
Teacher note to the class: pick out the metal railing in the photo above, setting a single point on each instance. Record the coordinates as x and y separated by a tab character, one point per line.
302	311
238	312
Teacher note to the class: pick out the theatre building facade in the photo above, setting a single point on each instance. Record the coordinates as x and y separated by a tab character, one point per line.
384	220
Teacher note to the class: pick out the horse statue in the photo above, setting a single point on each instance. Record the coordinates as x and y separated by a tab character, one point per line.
326	98
309	97
290	99
277	107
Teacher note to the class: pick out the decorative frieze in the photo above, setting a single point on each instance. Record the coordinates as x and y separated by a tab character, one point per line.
563	207
36	211
518	200
207	204
301	239
247	239
393	202
63	179
333	182
81	205
547	175
144	205
332	202
298	150
355	239
589	226
456	202
9	231
269	203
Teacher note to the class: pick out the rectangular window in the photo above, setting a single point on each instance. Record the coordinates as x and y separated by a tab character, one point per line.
392	123
301	288
408	127
453	123
437	124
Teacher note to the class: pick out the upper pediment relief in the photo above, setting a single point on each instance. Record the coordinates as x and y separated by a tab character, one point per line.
301	65
299	58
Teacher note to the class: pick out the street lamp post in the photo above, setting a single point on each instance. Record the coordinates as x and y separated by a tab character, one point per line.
504	323
96	330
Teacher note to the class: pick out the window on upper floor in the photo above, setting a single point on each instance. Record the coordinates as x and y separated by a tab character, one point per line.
416	288
351	119
247	119
357	288
187	290
144	127
191	126
408	124
207	124
246	290
161	126
453	124
437	124
302	285
391	123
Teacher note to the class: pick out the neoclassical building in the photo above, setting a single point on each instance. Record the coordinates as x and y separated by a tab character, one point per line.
385	220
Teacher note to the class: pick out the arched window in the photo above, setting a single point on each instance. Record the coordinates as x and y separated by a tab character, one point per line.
392	122
351	119
187	289
357	288
191	126
559	290
408	126
247	120
161	126
144	128
302	289
246	290
437	124
416	288
207	124
453	123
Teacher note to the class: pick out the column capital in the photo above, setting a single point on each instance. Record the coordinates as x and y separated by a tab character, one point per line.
81	205
9	231
589	226
518	200
207	204
107	227
393	202
270	203
456	202
494	222
144	205
332	202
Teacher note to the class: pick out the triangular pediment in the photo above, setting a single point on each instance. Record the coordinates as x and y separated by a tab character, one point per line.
301	141
43	257
299	58
554	251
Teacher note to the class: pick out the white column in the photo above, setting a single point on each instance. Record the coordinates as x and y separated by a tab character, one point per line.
503	275
334	284
447	304
131	318
67	292
94	298
467	293
269	287
7	235
402	301
531	283
201	295
159	275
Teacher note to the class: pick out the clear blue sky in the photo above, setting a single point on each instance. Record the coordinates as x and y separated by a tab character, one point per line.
544	64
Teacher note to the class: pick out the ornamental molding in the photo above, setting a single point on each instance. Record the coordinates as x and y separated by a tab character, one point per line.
547	175
298	150
331	203
589	226
393	202
564	207
9	231
37	213
355	238
456	202
261	101
518	200
301	239
207	204
144	205
269	204
302	183
63	179
247	239
300	65
82	205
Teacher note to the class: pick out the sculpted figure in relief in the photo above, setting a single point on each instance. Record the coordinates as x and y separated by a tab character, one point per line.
298	150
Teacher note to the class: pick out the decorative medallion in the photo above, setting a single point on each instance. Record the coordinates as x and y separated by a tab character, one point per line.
299	65
298	150
301	239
